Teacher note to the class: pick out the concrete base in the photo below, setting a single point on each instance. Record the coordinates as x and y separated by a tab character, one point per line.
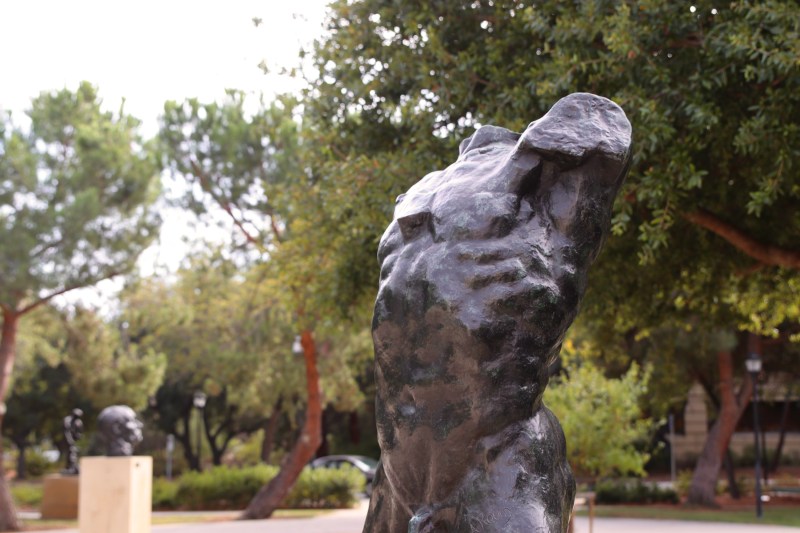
116	494
60	497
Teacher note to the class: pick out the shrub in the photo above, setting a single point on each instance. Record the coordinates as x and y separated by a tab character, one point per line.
233	488
748	457
26	494
179	464
37	465
326	488
165	493
746	484
683	482
601	417
222	487
244	451
628	491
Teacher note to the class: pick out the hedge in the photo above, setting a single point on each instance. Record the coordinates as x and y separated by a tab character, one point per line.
627	491
233	488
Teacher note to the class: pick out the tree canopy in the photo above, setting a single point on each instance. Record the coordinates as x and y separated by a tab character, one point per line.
76	194
711	91
705	231
76	190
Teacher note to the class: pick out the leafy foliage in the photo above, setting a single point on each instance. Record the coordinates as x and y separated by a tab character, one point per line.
601	418
69	361
232	488
76	190
219	339
633	491
712	93
233	160
705	231
106	367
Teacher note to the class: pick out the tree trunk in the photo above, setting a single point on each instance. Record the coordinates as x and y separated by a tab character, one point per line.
8	514
272	495
704	481
733	487
354	428
21	470
776	459
764	456
270	429
186	443
324	447
216	455
211	437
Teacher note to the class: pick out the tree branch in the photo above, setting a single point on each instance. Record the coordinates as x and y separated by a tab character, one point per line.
45	299
224	204
763	253
48	246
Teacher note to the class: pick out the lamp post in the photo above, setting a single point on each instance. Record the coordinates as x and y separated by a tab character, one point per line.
199	401
170	450
753	364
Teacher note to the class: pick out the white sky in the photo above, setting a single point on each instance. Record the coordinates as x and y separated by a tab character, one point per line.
149	52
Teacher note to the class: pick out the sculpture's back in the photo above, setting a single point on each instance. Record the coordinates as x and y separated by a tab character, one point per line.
482	270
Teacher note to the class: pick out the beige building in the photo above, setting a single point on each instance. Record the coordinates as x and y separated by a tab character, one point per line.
689	443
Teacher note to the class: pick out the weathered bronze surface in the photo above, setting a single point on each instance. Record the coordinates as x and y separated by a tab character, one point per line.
118	430
482	271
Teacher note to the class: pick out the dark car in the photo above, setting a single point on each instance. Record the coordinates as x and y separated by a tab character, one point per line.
367	466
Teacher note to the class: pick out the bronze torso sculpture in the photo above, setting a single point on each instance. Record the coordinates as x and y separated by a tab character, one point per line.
73	431
482	271
118	430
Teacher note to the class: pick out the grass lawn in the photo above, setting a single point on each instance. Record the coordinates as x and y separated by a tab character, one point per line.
773	514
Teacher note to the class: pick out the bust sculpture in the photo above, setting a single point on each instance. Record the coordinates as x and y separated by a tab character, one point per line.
482	271
118	430
73	431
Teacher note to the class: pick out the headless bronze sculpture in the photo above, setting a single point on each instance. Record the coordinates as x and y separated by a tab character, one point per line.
482	271
73	431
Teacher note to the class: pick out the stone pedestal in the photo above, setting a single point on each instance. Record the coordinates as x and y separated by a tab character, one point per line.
60	498
116	494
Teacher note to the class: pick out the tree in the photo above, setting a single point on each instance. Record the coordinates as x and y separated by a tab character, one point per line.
106	366
72	360
601	417
711	90
36	407
202	321
704	112
239	162
76	190
227	335
41	394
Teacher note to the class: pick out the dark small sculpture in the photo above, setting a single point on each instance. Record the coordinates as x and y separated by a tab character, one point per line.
482	271
118	430
73	431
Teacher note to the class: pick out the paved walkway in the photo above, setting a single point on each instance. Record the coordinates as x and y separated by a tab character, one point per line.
352	521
